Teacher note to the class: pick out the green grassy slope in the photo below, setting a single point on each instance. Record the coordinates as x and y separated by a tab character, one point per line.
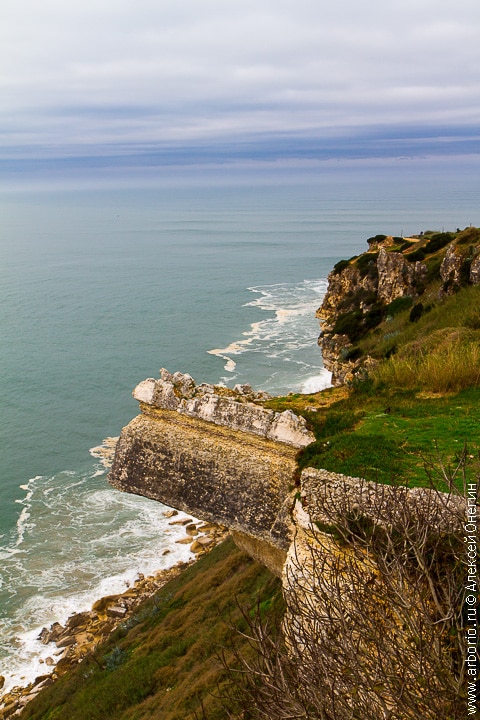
162	662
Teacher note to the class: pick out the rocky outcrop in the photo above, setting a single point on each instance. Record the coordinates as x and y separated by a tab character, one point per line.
214	453
218	405
397	276
360	290
357	292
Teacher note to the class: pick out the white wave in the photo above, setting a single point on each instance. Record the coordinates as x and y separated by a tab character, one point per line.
317	383
76	540
279	352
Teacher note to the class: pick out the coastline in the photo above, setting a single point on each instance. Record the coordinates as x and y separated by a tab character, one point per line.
85	631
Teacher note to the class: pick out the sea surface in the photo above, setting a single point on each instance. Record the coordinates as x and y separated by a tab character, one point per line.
99	290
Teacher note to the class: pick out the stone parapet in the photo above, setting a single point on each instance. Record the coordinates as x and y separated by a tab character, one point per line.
228	408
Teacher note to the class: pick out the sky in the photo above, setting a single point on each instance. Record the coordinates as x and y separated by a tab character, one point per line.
102	85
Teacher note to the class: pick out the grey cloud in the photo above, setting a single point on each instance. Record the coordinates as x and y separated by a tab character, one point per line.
218	69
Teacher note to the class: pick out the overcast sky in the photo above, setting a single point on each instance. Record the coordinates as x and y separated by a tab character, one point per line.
179	81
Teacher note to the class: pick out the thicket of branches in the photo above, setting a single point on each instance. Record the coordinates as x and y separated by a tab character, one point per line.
373	628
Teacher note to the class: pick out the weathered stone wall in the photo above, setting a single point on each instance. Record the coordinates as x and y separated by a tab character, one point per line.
217	456
212	472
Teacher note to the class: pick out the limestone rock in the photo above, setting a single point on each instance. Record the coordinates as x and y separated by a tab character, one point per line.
179	392
451	267
51	635
184	384
221	475
291	429
475	270
103	603
397	276
78	620
145	391
379	279
202	543
116	611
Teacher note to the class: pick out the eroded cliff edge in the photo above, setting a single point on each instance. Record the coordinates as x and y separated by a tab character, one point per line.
216	454
219	454
394	272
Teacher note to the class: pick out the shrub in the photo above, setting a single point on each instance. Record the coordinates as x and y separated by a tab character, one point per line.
374	316
399	305
353	354
465	271
438	241
367	265
416	255
416	312
340	266
349	324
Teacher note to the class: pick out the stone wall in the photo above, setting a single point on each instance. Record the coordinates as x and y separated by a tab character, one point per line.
216	455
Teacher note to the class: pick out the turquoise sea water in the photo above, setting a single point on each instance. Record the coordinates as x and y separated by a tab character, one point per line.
101	289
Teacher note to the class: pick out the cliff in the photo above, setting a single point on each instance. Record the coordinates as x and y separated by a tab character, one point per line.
216	454
370	571
368	289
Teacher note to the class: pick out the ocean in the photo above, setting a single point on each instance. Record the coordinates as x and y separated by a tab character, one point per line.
99	289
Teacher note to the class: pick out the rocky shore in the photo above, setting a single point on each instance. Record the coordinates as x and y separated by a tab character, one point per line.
85	631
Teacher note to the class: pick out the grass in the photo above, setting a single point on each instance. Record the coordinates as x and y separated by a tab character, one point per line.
387	436
162	662
448	368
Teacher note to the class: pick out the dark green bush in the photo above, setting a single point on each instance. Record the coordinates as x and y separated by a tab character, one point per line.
367	264
374	316
350	324
340	266
353	354
399	305
465	271
417	255
438	241
416	312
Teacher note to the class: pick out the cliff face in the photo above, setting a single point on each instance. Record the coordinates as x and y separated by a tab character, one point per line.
360	291
217	455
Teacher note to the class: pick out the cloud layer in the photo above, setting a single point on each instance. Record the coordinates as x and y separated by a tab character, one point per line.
107	78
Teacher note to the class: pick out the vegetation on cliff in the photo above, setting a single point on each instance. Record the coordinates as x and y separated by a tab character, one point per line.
412	377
